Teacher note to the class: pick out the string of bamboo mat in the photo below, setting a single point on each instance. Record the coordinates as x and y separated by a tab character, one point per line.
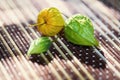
34	68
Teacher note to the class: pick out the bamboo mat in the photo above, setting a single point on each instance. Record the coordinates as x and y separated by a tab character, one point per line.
63	61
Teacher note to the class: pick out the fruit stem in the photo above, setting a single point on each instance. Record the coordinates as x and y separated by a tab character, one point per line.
36	24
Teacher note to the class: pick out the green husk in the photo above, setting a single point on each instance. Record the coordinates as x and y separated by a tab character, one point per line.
39	46
79	30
